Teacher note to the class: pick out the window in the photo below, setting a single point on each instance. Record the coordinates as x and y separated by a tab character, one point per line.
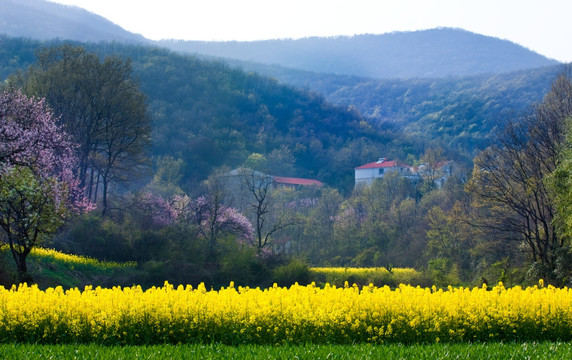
381	171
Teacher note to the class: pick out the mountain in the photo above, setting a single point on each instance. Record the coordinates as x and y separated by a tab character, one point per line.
43	20
307	123
432	53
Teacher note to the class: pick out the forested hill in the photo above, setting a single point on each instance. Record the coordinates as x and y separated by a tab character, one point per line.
432	53
208	115
457	111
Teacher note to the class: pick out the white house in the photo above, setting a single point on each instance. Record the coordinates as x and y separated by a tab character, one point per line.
439	173
366	174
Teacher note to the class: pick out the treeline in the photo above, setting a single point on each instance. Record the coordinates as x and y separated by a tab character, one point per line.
204	116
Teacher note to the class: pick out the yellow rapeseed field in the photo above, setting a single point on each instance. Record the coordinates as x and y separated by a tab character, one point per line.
278	315
71	259
366	275
77	259
362	270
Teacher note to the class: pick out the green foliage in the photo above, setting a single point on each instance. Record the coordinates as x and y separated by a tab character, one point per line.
295	271
99	238
168	175
443	272
461	112
256	161
28	204
243	267
560	184
15	55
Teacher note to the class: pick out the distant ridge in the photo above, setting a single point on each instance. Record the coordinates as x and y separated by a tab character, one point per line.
44	20
440	52
436	53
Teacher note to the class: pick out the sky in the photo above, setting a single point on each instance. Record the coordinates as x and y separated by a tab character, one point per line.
543	26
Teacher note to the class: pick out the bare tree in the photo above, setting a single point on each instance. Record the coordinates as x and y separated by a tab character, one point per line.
266	219
100	106
509	179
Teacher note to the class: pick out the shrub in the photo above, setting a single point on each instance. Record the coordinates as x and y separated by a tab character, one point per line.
296	271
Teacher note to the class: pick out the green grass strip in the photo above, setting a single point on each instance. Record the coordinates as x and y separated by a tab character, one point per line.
544	350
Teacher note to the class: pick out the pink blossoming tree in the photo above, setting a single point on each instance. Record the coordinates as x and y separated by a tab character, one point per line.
212	219
38	189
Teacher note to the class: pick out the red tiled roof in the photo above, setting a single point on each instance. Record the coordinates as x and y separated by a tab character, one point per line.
383	164
296	181
440	164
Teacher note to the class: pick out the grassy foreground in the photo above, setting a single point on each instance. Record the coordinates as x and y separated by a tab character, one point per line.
544	350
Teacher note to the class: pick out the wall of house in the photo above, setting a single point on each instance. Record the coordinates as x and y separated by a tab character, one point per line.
366	176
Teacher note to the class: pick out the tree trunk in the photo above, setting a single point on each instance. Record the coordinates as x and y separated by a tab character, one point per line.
104	198
22	266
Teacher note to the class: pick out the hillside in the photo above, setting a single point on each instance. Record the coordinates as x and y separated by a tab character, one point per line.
432	53
457	111
211	115
43	20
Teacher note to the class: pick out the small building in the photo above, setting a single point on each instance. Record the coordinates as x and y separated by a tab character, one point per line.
444	171
366	174
295	182
235	177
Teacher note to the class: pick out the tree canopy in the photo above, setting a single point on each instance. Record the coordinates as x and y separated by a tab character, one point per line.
101	107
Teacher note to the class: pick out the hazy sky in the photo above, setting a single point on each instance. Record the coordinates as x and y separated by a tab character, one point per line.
543	26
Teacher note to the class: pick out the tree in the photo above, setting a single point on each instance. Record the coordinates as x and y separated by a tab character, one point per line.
211	219
101	106
509	183
448	237
319	226
266	220
430	160
37	187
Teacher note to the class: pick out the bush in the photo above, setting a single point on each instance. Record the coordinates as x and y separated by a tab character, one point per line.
98	238
443	272
296	271
243	267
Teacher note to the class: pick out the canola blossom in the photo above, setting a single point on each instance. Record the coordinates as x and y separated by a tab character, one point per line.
77	259
362	270
278	315
367	275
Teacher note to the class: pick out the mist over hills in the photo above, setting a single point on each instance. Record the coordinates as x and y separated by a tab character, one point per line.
430	53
